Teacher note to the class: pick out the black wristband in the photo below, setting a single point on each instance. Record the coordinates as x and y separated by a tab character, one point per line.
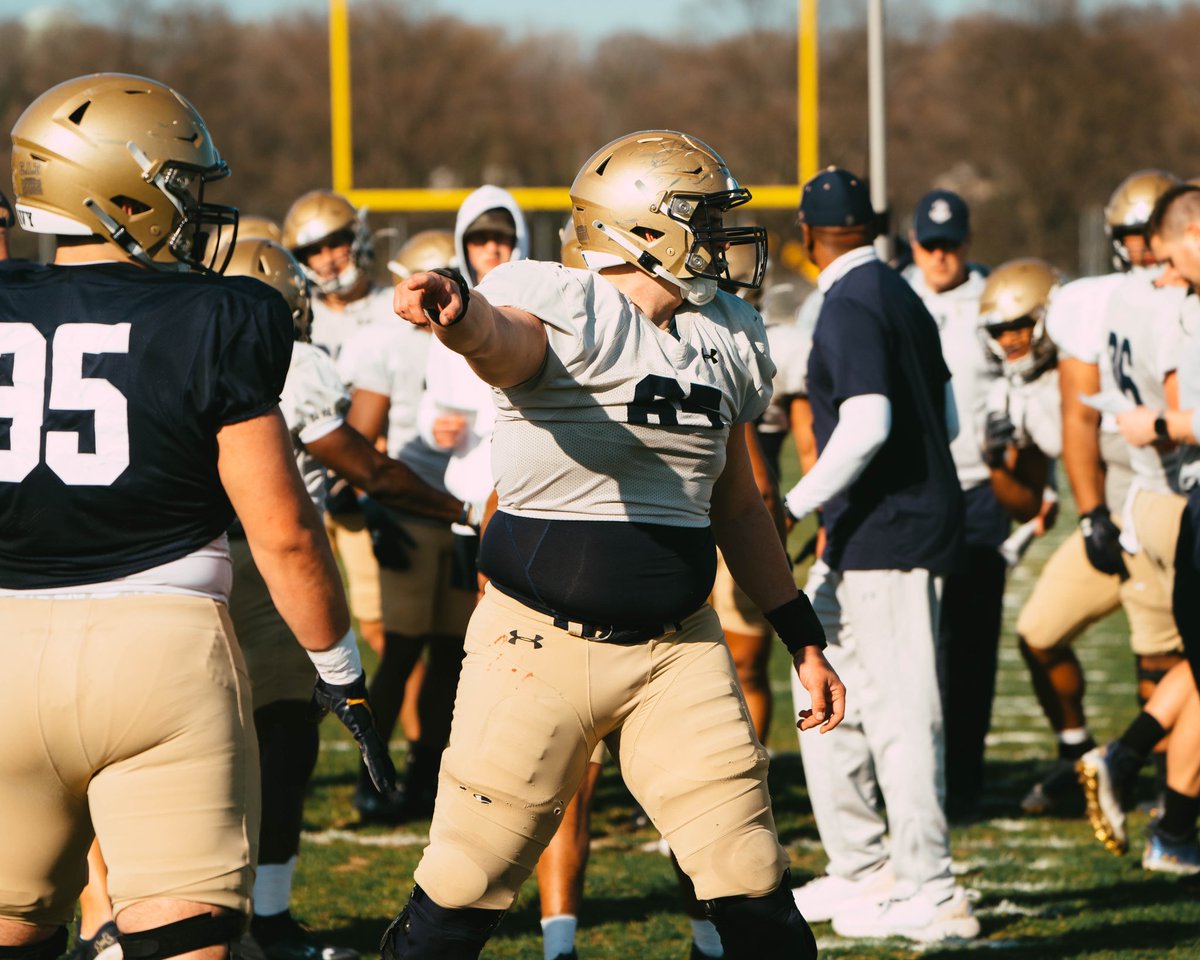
797	624
464	292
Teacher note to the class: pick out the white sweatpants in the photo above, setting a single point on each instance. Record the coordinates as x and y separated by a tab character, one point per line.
882	628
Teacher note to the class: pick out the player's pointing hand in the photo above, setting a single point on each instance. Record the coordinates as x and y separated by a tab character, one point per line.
437	296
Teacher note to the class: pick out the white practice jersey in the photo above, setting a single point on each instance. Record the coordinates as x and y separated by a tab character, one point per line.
1035	408
1143	337
452	387
790	345
625	421
330	328
972	370
314	403
389	358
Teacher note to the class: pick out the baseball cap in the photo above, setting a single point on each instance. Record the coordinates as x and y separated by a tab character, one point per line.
941	215
495	220
836	198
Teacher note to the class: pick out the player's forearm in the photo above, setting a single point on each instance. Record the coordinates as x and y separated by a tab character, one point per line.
389	481
755	556
1081	459
1081	432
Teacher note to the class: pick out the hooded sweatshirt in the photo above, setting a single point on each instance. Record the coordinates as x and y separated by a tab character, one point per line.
451	386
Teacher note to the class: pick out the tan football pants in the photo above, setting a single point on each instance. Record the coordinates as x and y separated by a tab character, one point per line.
534	701
131	714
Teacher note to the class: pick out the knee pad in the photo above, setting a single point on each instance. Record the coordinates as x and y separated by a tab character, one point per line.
182	936
756	927
426	931
49	949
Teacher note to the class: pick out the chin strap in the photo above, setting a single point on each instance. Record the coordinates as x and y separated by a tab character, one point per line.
698	291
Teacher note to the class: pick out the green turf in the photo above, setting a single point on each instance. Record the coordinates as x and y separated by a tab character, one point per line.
1043	888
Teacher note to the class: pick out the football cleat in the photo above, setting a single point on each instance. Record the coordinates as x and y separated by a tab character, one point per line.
1167	855
1102	798
1056	794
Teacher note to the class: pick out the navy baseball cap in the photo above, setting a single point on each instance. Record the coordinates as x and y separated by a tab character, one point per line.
941	215
836	198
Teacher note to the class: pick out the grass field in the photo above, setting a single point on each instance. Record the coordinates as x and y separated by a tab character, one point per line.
1043	888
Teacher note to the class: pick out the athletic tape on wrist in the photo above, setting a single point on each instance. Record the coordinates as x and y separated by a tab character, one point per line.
341	663
797	624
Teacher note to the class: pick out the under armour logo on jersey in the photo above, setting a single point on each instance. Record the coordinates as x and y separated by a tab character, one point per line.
536	639
940	212
711	356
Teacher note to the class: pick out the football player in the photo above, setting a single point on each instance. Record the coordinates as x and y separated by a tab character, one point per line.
313	402
619	468
1088	576
1175	706
1022	434
330	238
427	591
144	412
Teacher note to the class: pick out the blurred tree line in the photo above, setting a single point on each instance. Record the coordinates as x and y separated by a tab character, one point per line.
1034	116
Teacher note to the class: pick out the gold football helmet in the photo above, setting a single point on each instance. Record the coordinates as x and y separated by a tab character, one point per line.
123	158
258	228
323	218
265	260
1128	209
1016	296
427	250
657	199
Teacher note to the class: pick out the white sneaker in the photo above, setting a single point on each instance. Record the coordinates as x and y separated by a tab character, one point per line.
818	900
917	917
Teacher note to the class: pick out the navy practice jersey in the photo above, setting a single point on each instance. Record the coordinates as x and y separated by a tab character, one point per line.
114	381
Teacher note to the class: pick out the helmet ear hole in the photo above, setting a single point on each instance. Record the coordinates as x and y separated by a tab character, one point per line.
130	205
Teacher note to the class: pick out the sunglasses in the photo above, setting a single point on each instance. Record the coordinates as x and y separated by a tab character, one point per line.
945	246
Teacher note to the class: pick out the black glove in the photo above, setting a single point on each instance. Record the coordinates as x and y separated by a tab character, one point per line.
7	217
998	434
342	498
390	541
348	702
1101	540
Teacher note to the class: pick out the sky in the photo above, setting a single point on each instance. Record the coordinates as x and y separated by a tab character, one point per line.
588	21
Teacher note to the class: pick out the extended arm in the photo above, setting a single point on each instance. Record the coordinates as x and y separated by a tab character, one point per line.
864	423
503	346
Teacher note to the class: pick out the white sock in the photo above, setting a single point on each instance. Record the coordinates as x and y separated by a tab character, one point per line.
558	935
706	938
1074	736
273	887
